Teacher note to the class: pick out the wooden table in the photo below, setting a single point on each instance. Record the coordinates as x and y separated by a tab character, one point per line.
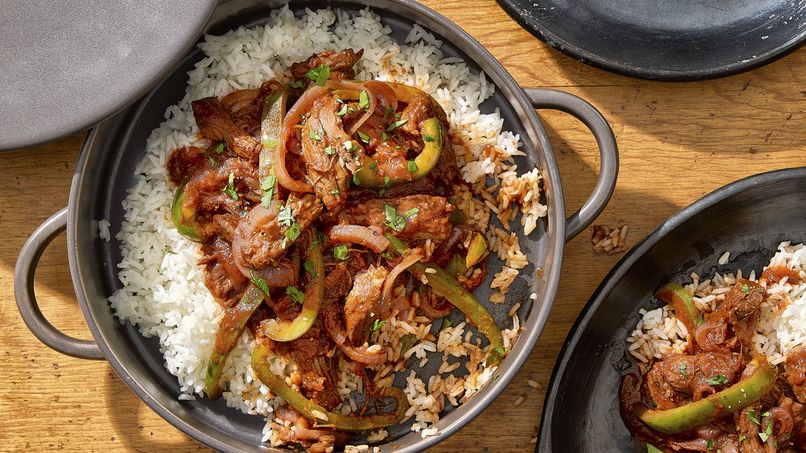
677	142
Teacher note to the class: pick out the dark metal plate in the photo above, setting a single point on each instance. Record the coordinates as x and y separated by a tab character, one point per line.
70	64
666	39
749	218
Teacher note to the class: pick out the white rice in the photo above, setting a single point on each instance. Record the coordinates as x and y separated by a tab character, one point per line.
782	321
163	292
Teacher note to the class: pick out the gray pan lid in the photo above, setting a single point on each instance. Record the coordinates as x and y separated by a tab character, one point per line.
69	64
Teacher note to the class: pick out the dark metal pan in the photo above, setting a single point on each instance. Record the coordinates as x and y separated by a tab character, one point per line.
749	218
667	39
106	169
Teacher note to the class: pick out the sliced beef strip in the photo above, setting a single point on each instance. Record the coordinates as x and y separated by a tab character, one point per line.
740	310
340	63
221	276
322	138
431	220
363	303
260	236
679	378
795	367
183	162
216	124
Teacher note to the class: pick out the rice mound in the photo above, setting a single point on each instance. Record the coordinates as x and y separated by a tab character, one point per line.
781	326
163	292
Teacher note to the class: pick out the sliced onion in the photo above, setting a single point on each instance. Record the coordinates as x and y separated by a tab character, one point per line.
292	118
347	85
359	234
411	257
433	312
384	94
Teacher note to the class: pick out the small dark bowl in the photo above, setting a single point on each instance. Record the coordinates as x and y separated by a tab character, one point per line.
749	218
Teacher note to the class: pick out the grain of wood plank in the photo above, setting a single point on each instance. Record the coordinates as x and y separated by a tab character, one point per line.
678	142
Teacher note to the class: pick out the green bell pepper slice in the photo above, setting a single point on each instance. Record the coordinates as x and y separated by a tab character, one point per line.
433	139
445	285
230	330
318	414
680	300
184	217
314	295
271	124
736	397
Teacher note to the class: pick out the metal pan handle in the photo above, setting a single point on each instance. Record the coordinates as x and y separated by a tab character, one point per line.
543	98
24	273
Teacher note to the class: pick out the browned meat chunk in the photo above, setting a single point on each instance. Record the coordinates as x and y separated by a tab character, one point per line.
417	216
261	236
680	377
340	63
183	162
419	109
221	276
317	370
748	428
796	372
216	124
740	309
322	143
246	106
362	304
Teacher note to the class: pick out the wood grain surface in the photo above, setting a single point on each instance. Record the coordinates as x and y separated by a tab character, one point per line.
677	142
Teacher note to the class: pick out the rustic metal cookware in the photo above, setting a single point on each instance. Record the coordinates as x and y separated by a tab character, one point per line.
106	169
748	218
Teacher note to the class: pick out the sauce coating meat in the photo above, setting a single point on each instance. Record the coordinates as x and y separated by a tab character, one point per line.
315	205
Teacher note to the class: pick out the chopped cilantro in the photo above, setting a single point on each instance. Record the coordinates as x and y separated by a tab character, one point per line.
364	137
344	110
683	370
330	150
411	213
335	191
745	289
376	325
373	166
297	84
219	148
446	322
341	252
296	295
319	74
259	282
428	138
719	379
213	162
652	449
767	432
412	166
308	265
292	233
349	145
386	181
313	135
229	189
363	100
396	124
356	178
751	414
742	438
388	111
286	215
699	320
384	136
710	444
393	220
